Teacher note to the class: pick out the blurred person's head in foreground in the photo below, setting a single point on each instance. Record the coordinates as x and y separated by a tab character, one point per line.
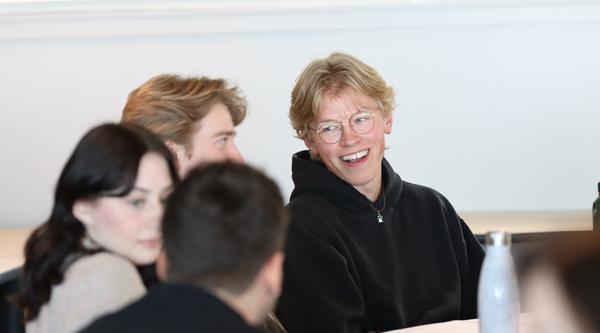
562	287
224	230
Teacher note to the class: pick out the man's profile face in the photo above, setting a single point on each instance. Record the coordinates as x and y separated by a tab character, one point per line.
213	141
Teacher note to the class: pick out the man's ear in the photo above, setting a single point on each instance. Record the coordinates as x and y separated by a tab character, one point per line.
387	123
162	266
272	273
310	144
178	150
82	210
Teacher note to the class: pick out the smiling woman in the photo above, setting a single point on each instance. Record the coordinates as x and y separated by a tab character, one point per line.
106	216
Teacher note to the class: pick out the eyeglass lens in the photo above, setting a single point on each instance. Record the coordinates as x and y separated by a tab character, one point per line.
361	123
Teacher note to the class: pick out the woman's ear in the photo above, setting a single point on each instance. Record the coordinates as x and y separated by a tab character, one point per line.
387	124
82	210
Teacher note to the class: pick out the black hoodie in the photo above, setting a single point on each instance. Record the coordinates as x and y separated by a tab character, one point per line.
345	272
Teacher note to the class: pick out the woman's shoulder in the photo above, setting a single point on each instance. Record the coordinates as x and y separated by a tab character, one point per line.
93	285
101	261
103	269
110	280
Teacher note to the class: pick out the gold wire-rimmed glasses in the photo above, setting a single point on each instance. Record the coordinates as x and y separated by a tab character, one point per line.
361	122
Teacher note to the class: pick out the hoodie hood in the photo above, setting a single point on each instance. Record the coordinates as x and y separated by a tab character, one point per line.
312	176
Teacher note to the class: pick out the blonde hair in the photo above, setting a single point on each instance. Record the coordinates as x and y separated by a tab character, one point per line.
332	75
170	105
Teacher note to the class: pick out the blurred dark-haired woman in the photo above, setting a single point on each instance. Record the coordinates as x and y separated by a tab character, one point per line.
108	204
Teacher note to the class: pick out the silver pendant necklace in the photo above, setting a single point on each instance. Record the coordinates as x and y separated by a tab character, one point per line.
378	211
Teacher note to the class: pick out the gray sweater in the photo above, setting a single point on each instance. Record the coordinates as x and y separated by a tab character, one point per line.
93	286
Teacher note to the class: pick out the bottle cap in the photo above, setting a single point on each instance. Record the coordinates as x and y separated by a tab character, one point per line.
497	238
599	187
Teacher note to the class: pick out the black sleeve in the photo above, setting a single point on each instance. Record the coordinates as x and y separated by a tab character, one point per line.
475	256
319	293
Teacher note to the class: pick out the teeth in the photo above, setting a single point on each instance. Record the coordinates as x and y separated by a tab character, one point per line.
355	156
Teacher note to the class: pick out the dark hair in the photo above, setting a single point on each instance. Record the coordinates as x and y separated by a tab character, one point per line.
221	225
105	162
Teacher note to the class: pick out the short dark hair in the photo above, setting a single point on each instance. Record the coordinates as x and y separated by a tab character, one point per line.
221	224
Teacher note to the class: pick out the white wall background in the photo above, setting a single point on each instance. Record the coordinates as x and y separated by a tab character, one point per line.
497	103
